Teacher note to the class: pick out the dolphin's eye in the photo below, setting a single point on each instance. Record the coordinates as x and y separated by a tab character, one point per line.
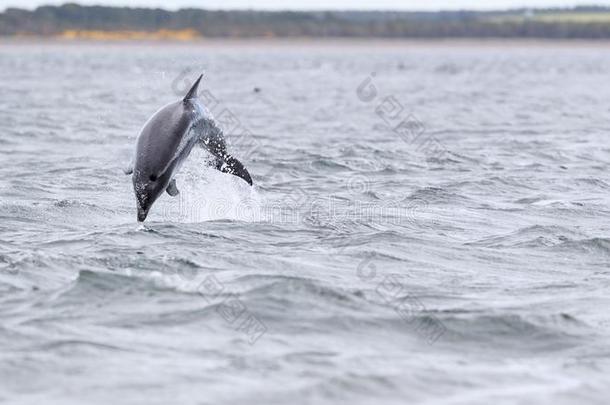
153	177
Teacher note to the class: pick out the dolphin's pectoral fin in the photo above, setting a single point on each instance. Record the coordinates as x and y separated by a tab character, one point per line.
228	164
129	168
172	189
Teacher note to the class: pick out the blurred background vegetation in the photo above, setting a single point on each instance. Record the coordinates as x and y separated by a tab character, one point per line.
73	21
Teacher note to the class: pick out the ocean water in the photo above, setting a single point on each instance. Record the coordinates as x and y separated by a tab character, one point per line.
429	225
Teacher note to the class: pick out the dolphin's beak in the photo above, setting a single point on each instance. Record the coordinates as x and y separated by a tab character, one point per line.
142	214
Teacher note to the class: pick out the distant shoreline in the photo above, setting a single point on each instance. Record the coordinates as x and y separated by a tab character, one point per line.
123	23
315	41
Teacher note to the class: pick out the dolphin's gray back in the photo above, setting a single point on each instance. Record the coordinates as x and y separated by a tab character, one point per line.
162	138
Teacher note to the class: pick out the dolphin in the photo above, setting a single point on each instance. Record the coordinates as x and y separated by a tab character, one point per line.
167	139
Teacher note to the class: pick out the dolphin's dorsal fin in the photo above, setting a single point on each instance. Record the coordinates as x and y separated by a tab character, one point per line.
193	91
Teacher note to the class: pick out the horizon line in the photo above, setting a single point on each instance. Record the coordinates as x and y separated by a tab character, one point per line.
318	10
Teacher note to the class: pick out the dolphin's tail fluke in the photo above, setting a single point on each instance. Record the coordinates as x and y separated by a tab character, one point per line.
228	164
192	94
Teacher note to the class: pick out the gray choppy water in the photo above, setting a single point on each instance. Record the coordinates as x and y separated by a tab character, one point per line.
459	258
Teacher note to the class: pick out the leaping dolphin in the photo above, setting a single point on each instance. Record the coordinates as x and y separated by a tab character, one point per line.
167	139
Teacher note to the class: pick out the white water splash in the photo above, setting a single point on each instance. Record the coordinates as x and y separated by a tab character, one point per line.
207	195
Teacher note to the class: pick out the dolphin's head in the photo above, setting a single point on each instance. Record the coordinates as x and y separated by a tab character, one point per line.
148	187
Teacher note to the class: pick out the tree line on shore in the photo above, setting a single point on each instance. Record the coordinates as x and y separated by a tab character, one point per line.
55	20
